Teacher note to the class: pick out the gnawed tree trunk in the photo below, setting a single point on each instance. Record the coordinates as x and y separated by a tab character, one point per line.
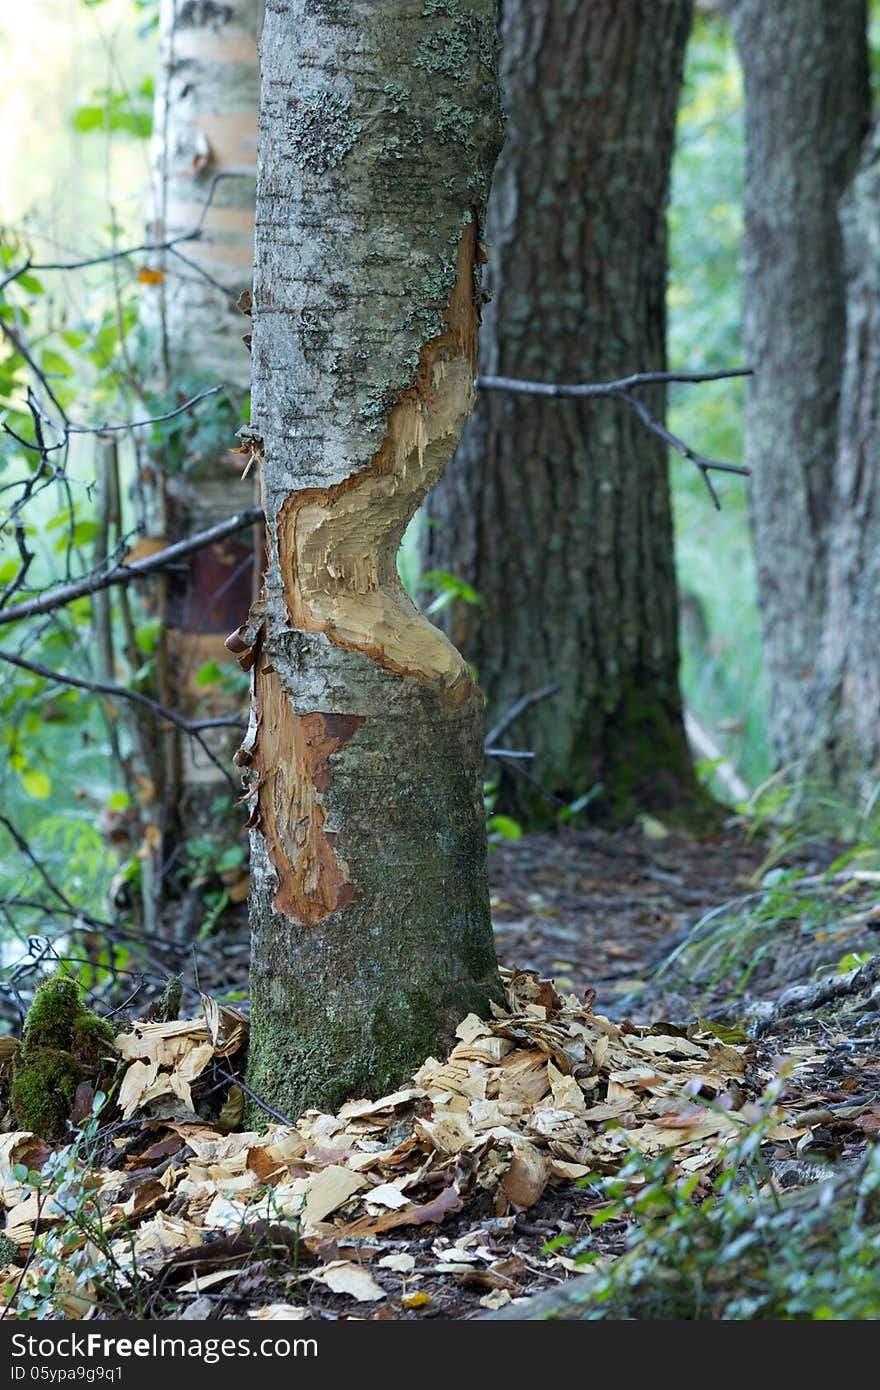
369	902
806	74
205	140
846	697
557	511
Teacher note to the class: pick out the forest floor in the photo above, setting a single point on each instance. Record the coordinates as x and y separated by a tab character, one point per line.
663	949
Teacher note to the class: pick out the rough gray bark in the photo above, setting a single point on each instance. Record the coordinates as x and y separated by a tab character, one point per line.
557	511
379	127
846	753
205	129
806	87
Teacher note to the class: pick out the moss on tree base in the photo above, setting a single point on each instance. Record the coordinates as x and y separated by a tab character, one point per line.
64	1044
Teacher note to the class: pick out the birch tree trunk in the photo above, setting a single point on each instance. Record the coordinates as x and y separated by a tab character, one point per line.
205	141
806	87
379	127
557	511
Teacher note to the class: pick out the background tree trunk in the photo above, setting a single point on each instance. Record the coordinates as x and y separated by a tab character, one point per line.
558	512
205	139
806	87
369	903
847	695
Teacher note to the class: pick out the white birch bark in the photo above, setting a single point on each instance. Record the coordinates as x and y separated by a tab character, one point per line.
371	936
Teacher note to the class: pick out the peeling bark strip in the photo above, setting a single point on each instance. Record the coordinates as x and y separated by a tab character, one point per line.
292	760
338	546
379	127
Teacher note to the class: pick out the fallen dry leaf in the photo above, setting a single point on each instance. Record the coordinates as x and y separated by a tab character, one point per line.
402	1264
280	1312
344	1277
527	1175
522	1102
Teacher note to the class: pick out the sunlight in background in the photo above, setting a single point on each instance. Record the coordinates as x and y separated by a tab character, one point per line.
57	183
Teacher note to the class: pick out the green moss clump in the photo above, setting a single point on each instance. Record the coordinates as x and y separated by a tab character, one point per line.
44	1089
53	1014
64	1044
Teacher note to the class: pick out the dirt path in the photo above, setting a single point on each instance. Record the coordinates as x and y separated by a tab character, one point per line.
597	909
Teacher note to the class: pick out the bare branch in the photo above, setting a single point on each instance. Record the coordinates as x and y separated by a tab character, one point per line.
138	569
622	390
514	712
603	388
193	727
152	420
143	249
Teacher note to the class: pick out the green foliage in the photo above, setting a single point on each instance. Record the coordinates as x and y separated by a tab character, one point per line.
722	674
742	1250
194	437
449	588
499	828
77	1262
728	944
118	113
566	814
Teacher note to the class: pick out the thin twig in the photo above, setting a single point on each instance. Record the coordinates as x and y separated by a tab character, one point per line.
622	390
237	1081
151	420
124	574
193	727
506	753
604	388
145	248
516	710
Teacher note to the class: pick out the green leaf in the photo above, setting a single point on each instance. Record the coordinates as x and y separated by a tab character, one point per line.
87	118
82	532
505	826
449	584
36	784
30	283
119	801
581	803
231	858
147	635
851	961
726	1033
209	674
53	362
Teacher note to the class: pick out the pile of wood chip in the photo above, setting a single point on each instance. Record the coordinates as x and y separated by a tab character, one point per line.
541	1095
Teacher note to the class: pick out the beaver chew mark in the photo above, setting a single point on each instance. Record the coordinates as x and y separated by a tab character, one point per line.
292	760
338	546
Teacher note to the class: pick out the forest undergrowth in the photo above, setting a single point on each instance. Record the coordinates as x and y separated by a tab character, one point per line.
681	1125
